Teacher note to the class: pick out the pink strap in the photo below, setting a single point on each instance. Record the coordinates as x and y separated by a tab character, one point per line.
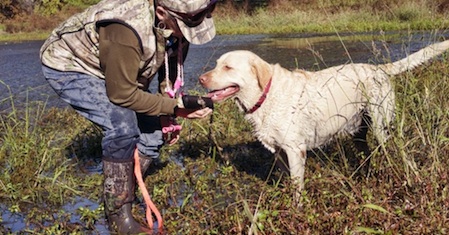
151	208
179	83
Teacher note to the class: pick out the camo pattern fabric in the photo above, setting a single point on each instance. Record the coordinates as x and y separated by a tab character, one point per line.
74	45
118	185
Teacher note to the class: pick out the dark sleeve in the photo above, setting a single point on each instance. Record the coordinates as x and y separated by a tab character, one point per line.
120	58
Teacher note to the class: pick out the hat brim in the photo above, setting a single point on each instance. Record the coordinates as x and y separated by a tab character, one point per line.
200	34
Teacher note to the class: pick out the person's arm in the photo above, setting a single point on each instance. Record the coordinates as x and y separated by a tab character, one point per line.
120	58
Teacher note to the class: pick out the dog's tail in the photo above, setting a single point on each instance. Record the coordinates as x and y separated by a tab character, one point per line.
416	58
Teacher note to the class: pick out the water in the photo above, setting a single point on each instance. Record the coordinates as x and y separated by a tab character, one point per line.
21	78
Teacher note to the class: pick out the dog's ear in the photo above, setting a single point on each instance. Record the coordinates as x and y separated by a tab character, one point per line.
262	70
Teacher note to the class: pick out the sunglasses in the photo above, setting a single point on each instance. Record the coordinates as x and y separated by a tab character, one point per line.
194	18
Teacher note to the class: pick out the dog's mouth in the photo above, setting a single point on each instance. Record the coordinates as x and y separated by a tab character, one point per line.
222	94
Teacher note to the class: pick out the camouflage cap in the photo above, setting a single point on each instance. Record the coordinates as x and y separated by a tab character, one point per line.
194	18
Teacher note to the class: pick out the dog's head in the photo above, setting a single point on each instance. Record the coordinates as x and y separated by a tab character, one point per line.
237	73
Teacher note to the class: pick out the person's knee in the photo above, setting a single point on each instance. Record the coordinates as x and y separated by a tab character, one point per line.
151	139
121	148
150	143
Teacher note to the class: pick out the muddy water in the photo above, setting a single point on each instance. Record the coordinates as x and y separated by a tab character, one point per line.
21	78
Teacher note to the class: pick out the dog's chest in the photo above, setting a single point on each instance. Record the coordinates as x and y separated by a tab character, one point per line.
310	114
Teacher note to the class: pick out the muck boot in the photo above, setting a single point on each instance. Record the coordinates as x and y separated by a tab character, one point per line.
145	163
119	184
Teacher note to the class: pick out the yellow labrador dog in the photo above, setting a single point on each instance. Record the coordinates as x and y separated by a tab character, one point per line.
293	111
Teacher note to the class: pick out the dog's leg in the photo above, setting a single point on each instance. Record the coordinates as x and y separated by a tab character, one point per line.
297	162
361	145
381	111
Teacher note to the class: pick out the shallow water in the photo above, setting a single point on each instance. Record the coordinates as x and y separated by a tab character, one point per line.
21	78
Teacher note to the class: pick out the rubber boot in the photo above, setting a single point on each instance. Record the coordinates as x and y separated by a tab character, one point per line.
145	163
119	184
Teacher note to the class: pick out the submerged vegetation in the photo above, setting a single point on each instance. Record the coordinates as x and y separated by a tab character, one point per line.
219	180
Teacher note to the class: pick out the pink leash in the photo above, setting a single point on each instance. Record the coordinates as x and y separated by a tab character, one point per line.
151	208
172	92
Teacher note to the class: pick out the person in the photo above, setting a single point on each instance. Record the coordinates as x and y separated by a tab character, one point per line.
101	62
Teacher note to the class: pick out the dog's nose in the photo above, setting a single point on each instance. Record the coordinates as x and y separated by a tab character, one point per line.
203	79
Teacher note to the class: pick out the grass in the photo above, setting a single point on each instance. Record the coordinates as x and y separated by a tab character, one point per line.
325	20
227	184
219	180
282	16
40	170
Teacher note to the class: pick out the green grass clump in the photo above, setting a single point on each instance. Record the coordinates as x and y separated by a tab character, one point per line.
38	171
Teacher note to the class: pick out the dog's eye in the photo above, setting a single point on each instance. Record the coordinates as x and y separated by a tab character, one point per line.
227	67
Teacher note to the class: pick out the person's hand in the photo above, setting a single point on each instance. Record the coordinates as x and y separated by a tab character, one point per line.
171	136
195	102
193	113
194	107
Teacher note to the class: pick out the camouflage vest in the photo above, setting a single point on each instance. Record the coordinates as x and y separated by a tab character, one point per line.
73	45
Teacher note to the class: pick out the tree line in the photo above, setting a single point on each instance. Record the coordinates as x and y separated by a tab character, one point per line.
12	8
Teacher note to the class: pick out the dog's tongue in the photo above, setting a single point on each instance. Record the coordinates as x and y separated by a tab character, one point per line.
219	95
215	95
211	94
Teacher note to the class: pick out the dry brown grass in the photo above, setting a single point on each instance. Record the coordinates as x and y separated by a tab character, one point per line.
287	16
